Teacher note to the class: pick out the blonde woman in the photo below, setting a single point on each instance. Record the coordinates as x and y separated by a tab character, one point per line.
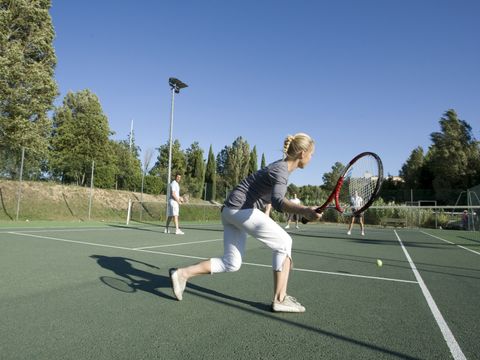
242	215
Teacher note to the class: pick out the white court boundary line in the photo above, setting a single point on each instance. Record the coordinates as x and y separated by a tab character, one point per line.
200	258
449	242
40	230
455	349
176	244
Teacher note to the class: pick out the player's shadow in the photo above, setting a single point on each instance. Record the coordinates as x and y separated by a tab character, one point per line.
131	279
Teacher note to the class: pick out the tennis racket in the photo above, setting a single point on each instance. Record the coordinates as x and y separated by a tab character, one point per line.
357	187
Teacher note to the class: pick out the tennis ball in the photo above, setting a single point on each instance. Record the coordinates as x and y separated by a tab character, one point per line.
379	263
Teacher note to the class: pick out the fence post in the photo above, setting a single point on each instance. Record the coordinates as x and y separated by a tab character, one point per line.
19	194
91	191
129	210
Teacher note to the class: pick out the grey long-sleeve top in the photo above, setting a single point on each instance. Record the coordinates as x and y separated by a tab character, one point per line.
266	186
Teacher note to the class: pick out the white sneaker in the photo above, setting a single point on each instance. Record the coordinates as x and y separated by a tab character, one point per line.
287	227
289	304
349	232
166	231
297	227
179	232
178	285
363	234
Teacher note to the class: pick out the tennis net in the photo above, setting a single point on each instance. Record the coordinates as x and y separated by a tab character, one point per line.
155	212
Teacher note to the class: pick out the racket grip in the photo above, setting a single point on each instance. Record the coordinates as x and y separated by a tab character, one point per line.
318	210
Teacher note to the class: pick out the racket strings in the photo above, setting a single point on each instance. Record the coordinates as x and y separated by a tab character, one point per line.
362	181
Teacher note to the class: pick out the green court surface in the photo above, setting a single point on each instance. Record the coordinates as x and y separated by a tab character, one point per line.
101	291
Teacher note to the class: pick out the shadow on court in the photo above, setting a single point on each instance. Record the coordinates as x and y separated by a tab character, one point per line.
130	279
128	276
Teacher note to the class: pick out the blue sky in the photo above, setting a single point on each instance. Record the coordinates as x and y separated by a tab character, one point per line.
356	75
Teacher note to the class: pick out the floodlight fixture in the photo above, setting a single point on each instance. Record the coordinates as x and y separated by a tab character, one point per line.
176	84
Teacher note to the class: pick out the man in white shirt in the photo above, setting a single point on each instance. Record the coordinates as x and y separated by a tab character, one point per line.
356	202
174	205
293	217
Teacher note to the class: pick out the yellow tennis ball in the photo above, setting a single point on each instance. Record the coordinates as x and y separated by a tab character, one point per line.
379	263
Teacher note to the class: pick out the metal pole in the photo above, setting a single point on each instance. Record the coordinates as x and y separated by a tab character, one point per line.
141	194
471	220
131	135
169	176
20	184
91	191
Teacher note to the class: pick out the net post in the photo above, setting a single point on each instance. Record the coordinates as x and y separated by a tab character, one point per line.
129	210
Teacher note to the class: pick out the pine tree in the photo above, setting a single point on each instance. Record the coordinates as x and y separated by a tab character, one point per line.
253	165
211	176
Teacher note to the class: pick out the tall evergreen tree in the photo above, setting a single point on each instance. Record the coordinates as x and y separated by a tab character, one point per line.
263	163
211	176
27	85
253	164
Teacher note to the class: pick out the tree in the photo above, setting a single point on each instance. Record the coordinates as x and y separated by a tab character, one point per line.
147	158
236	166
330	178
195	171
27	86
80	136
211	176
128	167
221	163
452	154
160	168
253	165
263	163
411	171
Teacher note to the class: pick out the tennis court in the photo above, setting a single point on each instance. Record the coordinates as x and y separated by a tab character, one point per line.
101	291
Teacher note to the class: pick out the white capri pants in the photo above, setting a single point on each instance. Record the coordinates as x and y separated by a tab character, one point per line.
238	224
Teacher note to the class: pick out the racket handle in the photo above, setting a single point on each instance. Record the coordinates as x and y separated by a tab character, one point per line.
318	210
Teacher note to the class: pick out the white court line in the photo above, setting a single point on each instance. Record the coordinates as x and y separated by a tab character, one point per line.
102	245
442	324
176	244
197	257
61	230
357	276
460	246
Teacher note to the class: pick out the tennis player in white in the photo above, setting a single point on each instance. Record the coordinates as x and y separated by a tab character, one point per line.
356	202
293	217
174	205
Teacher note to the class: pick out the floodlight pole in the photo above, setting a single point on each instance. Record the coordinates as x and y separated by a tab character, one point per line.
169	176
175	85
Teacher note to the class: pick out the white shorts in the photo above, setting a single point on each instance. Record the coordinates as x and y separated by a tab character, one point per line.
238	224
173	208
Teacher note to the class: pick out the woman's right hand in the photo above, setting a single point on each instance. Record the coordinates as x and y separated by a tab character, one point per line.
311	215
